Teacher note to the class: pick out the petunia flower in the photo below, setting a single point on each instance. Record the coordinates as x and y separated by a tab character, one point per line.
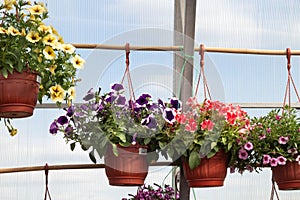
71	111
266	159
207	124
117	87
53	128
57	93
281	160
90	95
248	146
49	40
273	162
33	37
298	159
77	62
175	103
143	99
62	120
283	140
49	53
169	115
191	126
243	154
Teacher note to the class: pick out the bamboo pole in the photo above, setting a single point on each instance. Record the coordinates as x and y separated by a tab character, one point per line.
180	48
65	167
241	104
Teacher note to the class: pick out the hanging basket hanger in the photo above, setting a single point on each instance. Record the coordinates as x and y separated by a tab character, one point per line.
290	80
205	85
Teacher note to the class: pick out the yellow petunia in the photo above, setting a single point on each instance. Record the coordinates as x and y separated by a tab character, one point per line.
3	31
45	29
77	62
68	48
11	30
23	32
71	93
33	37
57	93
9	3
60	39
49	53
52	69
37	10
54	31
49	40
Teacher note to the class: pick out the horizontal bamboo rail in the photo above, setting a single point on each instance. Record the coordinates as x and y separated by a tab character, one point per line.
180	48
243	105
65	167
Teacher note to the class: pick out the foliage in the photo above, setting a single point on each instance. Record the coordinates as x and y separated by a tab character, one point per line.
276	137
210	127
111	119
27	43
155	192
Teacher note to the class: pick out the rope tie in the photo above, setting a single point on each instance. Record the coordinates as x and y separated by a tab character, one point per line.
274	191
127	72
47	193
205	85
289	80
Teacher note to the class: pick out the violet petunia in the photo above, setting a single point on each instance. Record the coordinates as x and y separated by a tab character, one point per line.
62	120
117	87
169	115
90	95
175	103
71	111
143	99
53	128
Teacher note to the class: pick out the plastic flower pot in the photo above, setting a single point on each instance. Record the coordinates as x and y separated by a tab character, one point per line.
18	94
287	176
129	168
210	173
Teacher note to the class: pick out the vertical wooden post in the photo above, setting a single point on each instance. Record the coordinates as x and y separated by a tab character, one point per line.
188	29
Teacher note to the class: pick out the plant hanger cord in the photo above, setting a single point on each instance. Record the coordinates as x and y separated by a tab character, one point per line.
127	72
205	85
274	191
289	80
47	193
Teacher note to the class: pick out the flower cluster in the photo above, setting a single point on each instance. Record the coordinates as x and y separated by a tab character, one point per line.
110	119
27	43
150	193
276	137
210	127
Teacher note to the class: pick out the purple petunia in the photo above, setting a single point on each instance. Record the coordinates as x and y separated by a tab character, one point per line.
70	111
175	103
62	120
143	99
169	115
68	130
53	128
117	87
120	101
90	95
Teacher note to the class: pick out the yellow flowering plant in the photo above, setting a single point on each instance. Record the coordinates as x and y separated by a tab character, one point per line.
27	43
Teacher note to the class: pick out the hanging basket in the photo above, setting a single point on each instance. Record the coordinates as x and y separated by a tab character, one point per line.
18	94
210	173
129	168
287	176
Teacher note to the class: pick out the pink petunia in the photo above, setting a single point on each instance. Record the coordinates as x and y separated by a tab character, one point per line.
281	160
180	118
261	137
268	130
278	117
192	102
243	154
248	146
283	140
298	159
273	162
266	159
231	117
191	126
207	124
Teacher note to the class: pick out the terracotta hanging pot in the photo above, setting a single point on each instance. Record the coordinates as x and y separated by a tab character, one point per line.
18	94
287	176
129	168
210	173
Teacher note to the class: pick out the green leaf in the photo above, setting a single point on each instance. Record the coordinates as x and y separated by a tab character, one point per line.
115	149
147	140
4	73
211	154
92	157
194	160
212	145
72	146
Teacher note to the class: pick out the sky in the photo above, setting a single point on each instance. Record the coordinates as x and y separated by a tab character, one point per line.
268	24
